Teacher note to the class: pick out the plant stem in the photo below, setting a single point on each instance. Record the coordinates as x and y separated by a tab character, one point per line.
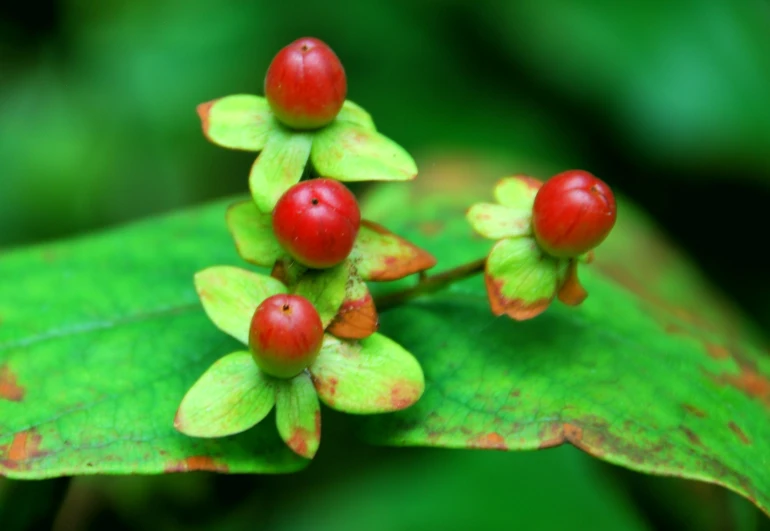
430	284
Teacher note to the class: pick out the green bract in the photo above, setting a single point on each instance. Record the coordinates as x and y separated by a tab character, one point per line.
521	279
348	149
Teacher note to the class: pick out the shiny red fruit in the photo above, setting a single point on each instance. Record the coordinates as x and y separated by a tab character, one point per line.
573	213
305	84
317	222
285	335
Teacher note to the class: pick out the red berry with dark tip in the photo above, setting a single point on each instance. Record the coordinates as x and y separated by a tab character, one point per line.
573	213
285	335
305	84
317	222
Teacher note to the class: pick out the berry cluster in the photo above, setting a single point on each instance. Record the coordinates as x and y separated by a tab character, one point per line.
311	324
542	231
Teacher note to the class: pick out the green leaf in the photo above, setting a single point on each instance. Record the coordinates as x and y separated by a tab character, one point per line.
230	296
325	288
237	122
357	317
349	152
380	255
496	221
100	339
253	234
232	396
279	166
652	372
355	114
374	375
521	280
517	192
298	414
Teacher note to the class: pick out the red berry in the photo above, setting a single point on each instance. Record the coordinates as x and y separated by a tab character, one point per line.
285	335
573	213
317	222
305	84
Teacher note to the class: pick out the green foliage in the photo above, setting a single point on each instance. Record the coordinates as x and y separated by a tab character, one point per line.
374	375
230	296
628	377
521	279
279	167
100	338
298	414
359	154
348	149
232	396
325	288
654	383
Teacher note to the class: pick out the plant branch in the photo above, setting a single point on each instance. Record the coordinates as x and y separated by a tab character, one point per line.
430	284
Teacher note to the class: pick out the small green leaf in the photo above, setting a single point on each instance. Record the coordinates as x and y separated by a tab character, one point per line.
241	121
380	255
279	166
355	114
497	221
357	317
521	280
230	296
517	192
232	396
298	414
374	375
325	288
349	152
253	234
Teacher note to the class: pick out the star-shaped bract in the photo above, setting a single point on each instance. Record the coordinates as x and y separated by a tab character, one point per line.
371	375
348	149
521	279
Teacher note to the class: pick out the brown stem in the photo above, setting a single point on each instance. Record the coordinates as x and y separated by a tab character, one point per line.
430	284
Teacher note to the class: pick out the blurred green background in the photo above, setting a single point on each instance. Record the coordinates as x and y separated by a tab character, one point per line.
668	101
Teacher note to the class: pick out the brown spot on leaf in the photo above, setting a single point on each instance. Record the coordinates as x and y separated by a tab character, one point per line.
9	387
203	112
516	393
196	462
431	228
413	260
403	394
717	352
571	292
515	308
356	319
748	381
739	432
694	411
327	388
489	441
298	442
24	446
691	436
559	433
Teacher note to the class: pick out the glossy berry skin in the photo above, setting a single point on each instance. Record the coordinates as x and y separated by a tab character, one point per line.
317	222
285	335
573	213
305	84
